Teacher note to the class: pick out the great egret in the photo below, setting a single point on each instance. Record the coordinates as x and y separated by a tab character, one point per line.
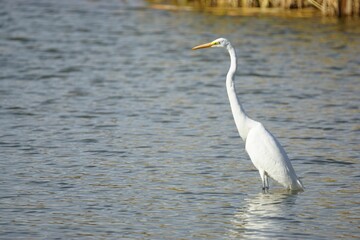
265	151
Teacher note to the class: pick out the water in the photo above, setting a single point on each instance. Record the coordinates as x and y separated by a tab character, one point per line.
112	128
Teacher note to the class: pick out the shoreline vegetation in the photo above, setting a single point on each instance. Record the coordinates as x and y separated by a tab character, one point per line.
297	8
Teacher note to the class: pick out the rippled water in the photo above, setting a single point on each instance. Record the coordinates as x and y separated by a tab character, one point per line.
111	127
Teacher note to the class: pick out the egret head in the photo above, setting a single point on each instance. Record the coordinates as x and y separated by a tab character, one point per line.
220	42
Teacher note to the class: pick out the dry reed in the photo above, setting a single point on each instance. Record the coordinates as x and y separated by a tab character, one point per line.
327	7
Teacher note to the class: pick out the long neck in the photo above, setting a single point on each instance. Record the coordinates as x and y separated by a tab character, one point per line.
242	121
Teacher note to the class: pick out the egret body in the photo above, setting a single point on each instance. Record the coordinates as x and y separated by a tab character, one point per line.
264	150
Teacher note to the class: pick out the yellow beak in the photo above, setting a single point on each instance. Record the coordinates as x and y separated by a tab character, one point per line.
206	45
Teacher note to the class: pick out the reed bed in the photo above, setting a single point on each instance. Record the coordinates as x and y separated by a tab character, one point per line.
338	8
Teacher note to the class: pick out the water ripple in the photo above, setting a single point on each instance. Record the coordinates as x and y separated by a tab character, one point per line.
112	128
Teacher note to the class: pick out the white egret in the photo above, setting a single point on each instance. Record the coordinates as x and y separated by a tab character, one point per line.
265	151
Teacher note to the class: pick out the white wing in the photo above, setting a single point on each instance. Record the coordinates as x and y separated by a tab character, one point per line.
268	155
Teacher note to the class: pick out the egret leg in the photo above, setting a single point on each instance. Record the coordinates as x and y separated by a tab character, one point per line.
266	177
263	176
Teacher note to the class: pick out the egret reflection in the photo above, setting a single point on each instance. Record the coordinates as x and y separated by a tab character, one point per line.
262	216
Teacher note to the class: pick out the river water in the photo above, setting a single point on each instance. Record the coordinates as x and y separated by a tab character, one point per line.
112	128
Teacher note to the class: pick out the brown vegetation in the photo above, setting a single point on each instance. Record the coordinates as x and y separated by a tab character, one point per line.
327	7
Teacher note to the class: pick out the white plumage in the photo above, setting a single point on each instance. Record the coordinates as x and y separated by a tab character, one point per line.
264	150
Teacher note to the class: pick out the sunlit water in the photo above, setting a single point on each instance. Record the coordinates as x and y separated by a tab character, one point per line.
111	127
